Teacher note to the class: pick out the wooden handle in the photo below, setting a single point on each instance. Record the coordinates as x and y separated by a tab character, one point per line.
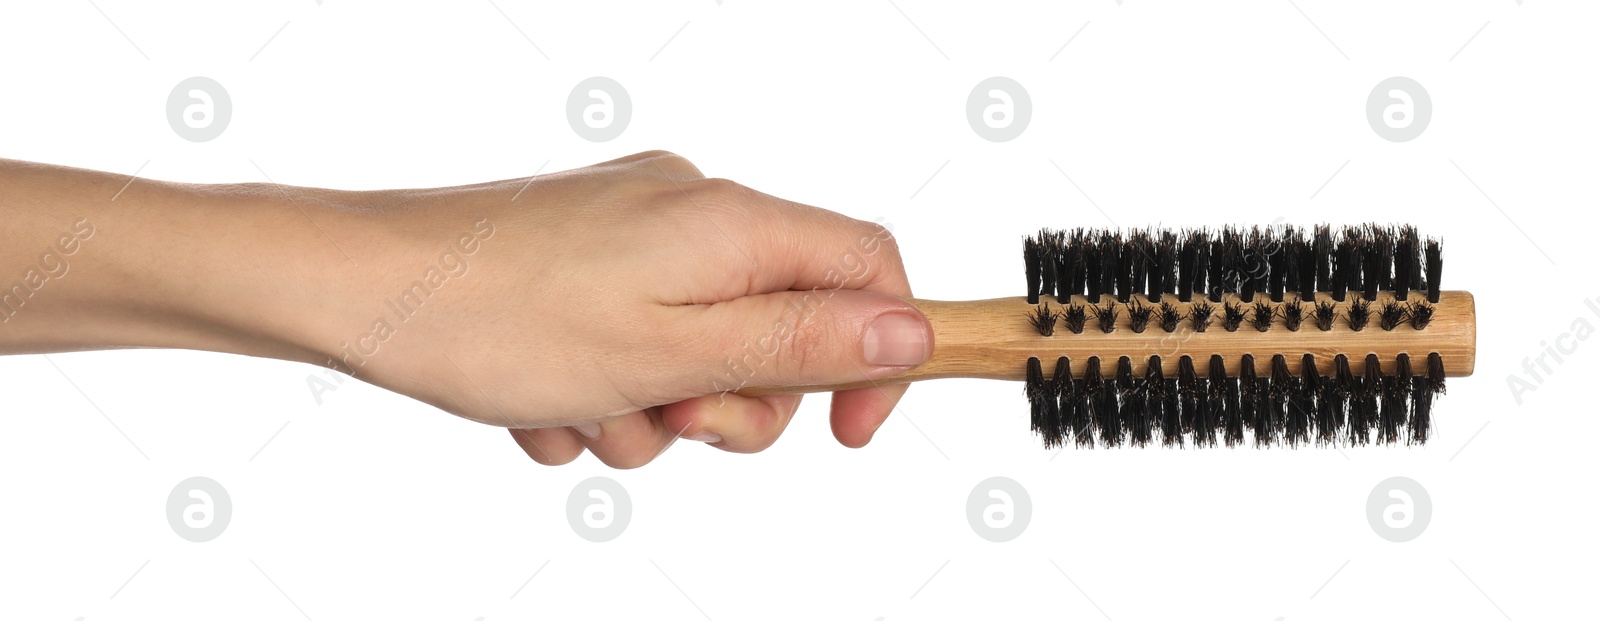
993	339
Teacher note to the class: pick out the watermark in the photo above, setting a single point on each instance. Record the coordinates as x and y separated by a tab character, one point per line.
355	352
52	265
999	109
1399	509
598	109
1537	369
999	509
199	509
599	509
851	265
1398	109
199	109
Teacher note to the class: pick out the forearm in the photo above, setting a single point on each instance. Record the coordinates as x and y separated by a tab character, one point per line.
91	261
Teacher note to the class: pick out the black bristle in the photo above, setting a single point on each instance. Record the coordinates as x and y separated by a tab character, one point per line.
1317	387
1232	266
1405	259
1034	388
1091	266
1142	252
1421	314
1200	315
1364	405
1232	316
1435	373
1030	259
1414	246
1293	314
1344	389
1166	276
1161	393
1222	413
1254	266
1106	316
1233	417
1423	390
1188	396
1188	262
1132	410
1077	253
1261	316
1202	261
1277	268
1049	248
1055	423
1255	403
1074	316
1305	268
1264	245
1215	269
1384	239
1094	389
1303	404
1044	319
1168	315
1322	257
1282	392
1391	315
1397	395
1390	413
1435	268
1350	252
1339	278
1372	273
1139	316
1359	314
1247	388
1109	247
1075	420
1108	418
1125	252
1325	312
1064	266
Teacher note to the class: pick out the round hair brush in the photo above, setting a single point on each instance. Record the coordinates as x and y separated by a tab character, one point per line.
1203	337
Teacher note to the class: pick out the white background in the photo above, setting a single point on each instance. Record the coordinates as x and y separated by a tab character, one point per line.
371	505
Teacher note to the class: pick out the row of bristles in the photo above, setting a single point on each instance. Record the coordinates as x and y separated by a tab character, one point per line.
1207	408
1260	315
1271	260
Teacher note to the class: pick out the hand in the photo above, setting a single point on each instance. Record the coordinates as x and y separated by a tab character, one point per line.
610	308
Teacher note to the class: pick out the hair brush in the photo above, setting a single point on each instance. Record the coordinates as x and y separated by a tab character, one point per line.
1197	337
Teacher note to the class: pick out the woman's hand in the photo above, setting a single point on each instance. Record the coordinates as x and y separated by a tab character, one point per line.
610	308
613	307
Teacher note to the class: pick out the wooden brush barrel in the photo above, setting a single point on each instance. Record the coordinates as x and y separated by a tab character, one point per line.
993	339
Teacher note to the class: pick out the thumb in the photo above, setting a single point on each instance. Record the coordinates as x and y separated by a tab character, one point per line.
811	338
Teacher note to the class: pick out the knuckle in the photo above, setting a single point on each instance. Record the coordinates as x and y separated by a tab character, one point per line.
656	154
806	349
717	188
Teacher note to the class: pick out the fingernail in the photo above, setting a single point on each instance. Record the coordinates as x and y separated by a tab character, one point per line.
896	340
588	430
706	437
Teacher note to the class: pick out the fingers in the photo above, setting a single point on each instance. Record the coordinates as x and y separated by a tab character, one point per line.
732	422
552	447
627	441
623	442
794	339
857	414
